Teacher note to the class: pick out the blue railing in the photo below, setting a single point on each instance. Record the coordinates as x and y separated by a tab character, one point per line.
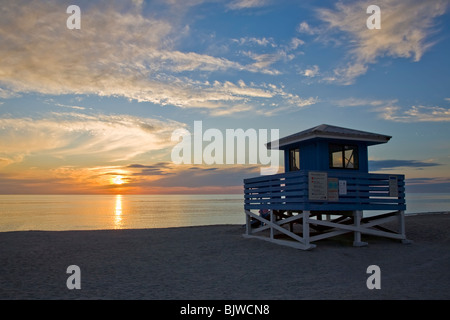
290	191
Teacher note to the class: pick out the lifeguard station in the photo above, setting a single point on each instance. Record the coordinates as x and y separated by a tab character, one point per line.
324	191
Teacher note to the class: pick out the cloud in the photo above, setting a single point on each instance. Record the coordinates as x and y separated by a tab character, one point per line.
377	165
156	169
415	113
162	177
245	4
405	29
44	56
266	99
167	177
69	107
284	52
264	60
7	94
198	177
391	111
295	43
311	72
258	41
12	184
82	138
118	52
304	27
428	185
358	102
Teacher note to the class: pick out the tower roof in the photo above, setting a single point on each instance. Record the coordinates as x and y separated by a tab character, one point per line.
331	132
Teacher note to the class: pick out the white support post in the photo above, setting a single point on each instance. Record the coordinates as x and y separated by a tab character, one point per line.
271	223
401	227
401	221
248	226
334	228
305	224
357	215
299	242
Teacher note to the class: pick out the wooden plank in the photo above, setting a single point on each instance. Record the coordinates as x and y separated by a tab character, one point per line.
261	190
327	234
263	178
299	206
364	192
352	206
289	192
290	219
268	183
276	194
305	226
363	229
274	188
262	184
277	200
277	227
277	177
292	244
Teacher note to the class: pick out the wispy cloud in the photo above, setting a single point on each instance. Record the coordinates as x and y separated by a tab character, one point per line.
405	30
188	178
82	138
117	52
428	185
7	94
361	102
415	114
262	61
377	165
391	110
256	41
311	71
245	4
296	42
157	169
304	27
69	107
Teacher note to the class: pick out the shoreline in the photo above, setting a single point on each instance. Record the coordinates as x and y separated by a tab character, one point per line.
427	213
215	262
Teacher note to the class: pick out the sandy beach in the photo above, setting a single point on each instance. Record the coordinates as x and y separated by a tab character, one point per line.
216	262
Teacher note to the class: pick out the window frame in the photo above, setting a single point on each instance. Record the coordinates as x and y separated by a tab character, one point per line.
293	151
342	147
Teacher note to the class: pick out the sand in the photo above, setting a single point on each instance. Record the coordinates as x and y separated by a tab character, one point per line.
216	262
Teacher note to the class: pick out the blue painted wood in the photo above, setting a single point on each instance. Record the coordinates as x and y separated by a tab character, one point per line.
314	155
289	191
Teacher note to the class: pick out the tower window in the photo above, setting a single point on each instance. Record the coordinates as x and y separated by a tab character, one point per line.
343	156
294	159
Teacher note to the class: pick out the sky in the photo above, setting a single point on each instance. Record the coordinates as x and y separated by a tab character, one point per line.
93	110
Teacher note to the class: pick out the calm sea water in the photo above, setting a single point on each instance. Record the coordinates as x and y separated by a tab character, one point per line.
93	212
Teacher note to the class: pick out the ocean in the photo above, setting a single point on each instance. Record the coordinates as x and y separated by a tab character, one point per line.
96	212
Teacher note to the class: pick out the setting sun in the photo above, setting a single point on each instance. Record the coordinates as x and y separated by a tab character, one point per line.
118	180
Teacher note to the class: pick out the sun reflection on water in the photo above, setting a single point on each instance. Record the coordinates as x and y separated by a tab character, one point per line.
118	212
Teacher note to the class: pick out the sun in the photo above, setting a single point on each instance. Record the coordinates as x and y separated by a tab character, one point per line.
118	180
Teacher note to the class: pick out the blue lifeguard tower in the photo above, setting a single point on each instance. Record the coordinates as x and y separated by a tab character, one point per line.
324	191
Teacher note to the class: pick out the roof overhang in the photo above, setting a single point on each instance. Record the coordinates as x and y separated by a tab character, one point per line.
329	133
